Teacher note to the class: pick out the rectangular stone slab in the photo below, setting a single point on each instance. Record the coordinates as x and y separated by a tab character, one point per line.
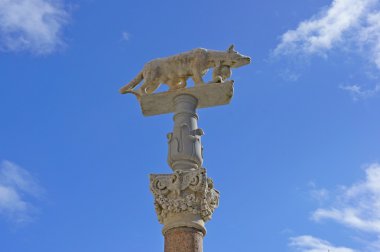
208	95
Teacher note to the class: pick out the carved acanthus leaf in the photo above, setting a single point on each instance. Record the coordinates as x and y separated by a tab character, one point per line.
190	192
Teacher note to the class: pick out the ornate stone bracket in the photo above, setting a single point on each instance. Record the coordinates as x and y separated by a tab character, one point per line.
184	198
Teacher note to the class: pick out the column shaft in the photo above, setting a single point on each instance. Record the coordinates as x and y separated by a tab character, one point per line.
185	199
185	148
183	239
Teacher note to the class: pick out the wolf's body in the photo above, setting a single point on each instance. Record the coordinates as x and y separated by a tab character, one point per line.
175	70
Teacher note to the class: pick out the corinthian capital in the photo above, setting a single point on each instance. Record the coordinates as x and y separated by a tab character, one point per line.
184	198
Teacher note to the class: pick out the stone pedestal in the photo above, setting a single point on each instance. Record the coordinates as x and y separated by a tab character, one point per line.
185	149
209	95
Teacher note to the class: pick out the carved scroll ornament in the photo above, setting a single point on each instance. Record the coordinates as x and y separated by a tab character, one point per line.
184	192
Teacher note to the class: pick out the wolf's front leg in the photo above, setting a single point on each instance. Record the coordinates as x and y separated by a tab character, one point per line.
197	78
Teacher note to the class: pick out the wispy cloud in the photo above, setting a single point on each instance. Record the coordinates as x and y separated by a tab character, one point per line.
32	25
289	75
17	189
125	36
307	243
369	35
329	28
357	92
357	206
351	25
319	194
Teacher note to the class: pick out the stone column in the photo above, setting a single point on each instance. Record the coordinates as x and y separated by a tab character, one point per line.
185	149
185	199
183	239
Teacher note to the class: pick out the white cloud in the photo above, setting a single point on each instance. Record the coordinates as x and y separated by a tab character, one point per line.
344	22
370	36
357	206
357	92
326	30
125	36
31	25
17	187
308	243
350	24
289	75
319	194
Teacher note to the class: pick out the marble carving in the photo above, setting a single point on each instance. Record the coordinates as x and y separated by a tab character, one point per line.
175	70
184	192
186	197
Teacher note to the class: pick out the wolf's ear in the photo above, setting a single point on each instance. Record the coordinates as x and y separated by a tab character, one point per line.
231	48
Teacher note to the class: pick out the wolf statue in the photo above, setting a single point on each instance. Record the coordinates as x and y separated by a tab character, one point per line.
175	70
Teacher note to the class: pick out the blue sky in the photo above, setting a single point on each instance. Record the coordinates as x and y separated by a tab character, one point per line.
296	155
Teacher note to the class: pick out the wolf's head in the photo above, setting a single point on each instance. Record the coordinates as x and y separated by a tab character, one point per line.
235	59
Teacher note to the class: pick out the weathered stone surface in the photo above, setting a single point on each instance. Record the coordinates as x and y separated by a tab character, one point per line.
183	239
175	70
184	199
208	95
185	148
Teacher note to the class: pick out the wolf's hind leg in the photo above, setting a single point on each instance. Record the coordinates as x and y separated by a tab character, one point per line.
150	87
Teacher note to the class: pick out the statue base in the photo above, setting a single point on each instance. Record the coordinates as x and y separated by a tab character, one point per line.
208	95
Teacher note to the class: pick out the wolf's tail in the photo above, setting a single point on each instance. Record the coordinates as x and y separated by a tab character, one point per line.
132	84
